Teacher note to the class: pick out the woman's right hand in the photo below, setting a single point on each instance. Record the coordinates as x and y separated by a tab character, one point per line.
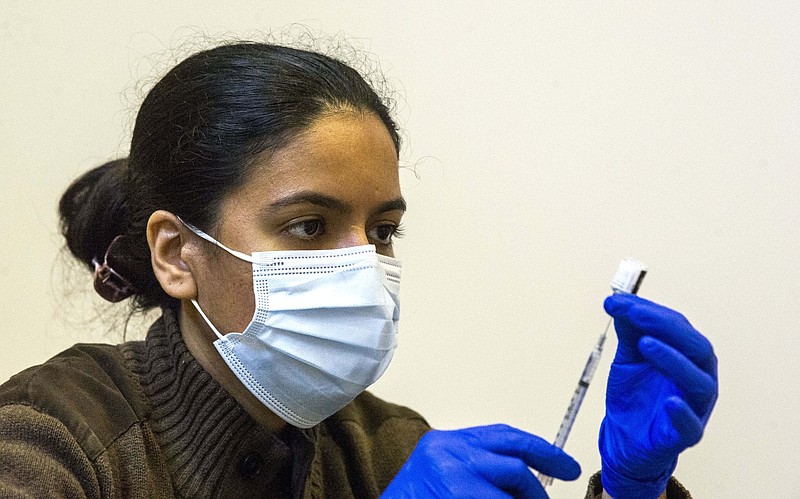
484	461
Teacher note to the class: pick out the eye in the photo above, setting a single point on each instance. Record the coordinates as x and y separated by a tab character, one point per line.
306	229
384	234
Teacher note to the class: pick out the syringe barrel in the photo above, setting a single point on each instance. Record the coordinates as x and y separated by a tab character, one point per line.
579	394
627	279
569	417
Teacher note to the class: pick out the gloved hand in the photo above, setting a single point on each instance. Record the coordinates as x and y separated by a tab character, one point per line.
661	390
485	461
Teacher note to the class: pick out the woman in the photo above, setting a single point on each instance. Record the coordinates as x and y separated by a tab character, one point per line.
257	209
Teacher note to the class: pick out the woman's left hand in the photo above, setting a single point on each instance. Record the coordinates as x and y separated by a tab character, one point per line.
661	390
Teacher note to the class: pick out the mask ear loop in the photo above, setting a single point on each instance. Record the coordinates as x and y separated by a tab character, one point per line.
237	254
200	233
197	306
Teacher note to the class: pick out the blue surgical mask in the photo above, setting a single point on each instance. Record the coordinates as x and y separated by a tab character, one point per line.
324	328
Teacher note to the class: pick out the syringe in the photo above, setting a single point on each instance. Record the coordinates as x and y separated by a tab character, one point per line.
627	279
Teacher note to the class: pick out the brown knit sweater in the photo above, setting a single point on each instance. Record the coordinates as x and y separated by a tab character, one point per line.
144	420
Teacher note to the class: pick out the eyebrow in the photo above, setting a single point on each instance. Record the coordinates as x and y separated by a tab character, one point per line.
311	197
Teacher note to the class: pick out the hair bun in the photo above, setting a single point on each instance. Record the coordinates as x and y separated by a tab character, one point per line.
93	210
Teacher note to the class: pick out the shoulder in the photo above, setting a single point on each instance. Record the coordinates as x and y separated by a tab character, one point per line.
370	438
372	424
87	388
369	412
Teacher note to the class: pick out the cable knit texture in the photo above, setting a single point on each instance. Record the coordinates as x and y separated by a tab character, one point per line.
143	419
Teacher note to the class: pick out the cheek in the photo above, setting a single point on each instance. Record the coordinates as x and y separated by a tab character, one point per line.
230	289
243	302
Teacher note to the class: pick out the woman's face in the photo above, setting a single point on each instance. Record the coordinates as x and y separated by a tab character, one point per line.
334	186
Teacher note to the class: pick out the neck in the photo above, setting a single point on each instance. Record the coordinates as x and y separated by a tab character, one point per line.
199	340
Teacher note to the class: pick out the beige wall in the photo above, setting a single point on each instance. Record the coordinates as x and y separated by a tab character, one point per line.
549	142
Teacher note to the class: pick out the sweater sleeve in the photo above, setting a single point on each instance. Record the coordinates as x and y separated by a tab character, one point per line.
40	458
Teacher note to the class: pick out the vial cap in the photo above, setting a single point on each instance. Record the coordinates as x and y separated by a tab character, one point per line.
629	276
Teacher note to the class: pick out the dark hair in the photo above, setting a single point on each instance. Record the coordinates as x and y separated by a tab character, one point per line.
195	136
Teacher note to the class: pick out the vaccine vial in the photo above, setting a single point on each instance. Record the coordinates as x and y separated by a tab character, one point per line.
629	276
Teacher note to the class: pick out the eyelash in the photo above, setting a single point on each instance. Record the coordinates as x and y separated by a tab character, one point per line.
397	231
302	226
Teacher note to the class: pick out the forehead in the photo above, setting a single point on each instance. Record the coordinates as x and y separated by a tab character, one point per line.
346	155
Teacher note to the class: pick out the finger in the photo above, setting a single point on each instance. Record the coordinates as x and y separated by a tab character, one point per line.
512	475
647	318
676	427
534	451
473	486
698	387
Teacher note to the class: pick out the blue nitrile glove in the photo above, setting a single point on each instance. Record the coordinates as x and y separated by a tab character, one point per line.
485	461
661	389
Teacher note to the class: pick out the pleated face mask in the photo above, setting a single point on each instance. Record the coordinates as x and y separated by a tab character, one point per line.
324	328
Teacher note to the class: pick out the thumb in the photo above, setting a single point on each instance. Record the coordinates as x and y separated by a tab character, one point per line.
675	427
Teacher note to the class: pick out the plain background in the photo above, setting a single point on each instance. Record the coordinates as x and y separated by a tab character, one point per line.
543	143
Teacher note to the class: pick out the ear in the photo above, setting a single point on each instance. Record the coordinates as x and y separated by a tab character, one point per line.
167	238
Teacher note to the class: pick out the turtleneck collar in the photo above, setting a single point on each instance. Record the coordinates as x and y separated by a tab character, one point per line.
208	440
